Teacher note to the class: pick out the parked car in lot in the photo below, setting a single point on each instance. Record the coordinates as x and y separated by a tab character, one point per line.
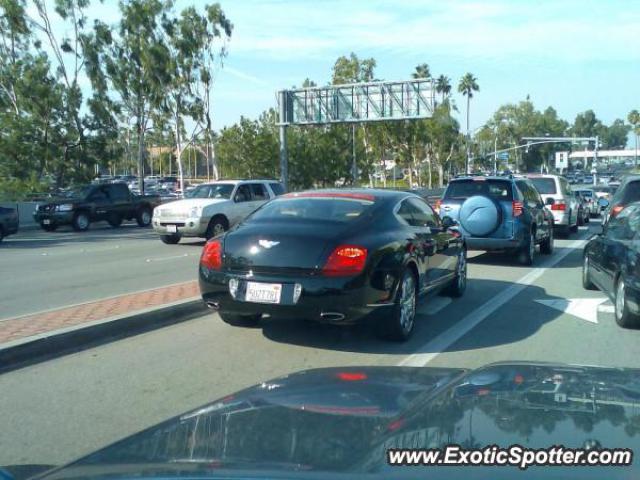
335	256
590	200
627	193
9	222
558	196
499	213
212	208
112	203
611	261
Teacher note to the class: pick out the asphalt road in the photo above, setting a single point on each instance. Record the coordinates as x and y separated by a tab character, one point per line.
51	270
55	411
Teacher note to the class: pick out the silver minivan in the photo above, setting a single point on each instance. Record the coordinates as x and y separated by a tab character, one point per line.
560	200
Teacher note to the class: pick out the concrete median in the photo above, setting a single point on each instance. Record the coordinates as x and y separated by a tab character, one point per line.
38	348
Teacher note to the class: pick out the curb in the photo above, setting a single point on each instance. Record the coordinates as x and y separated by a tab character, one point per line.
50	345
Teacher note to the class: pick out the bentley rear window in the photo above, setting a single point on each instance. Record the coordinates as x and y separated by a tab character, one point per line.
327	209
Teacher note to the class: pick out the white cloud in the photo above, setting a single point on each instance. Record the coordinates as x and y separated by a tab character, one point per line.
244	76
494	28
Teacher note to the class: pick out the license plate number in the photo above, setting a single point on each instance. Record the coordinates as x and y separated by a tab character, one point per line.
46	221
172	228
263	292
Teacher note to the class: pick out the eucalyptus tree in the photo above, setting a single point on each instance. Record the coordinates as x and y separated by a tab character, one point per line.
133	62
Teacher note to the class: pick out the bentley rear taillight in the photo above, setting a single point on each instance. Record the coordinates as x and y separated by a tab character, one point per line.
212	255
345	260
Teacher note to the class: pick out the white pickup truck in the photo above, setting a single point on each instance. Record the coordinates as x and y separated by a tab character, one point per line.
211	208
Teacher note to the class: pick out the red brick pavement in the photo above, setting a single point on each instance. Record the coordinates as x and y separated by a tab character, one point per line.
22	327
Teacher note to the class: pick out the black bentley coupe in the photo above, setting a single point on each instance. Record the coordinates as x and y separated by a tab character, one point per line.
336	256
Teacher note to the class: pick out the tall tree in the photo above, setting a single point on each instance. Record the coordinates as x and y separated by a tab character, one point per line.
467	86
443	86
586	124
68	54
614	136
352	69
422	71
133	62
634	119
191	39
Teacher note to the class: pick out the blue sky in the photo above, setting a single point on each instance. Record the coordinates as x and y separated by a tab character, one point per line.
572	54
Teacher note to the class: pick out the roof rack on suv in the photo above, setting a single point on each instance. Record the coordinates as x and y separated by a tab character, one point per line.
472	175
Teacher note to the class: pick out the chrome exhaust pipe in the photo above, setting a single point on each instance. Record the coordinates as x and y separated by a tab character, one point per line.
332	316
213	305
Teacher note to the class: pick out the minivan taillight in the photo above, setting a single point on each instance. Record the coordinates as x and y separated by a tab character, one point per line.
516	208
212	255
345	260
616	210
559	205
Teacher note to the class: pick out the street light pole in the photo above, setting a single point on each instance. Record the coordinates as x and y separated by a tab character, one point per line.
495	155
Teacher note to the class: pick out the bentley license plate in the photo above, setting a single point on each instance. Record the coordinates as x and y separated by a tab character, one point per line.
172	228
263	292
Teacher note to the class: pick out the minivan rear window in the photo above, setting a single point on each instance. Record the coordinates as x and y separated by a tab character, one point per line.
545	186
462	189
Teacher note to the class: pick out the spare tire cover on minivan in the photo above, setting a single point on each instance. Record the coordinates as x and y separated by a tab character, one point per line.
480	216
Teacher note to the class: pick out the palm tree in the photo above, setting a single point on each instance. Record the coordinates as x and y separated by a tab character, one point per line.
468	84
422	71
634	120
443	86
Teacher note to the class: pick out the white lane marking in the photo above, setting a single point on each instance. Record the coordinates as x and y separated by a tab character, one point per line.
430	350
584	308
583	228
172	257
606	309
433	305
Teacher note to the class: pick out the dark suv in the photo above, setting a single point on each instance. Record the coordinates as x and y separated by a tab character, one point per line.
112	202
499	213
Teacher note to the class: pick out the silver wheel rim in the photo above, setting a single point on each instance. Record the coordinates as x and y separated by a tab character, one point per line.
218	228
146	217
83	221
462	270
407	304
620	299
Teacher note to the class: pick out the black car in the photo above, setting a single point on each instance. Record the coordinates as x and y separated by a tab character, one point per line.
111	202
346	423
8	222
612	263
499	213
335	256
